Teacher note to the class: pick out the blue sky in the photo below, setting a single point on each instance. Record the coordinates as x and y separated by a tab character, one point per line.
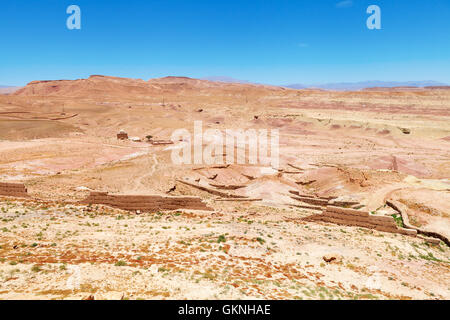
272	41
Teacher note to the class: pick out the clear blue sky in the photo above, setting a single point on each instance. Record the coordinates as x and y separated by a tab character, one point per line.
272	41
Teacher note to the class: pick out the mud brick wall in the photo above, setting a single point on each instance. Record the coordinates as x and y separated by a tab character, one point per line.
403	210
13	190
355	218
321	201
122	136
145	203
297	193
344	204
310	200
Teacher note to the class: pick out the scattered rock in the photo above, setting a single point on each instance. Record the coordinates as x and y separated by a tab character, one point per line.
332	258
305	183
172	189
82	189
153	269
405	130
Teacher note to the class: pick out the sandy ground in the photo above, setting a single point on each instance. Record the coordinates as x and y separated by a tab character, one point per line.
55	251
367	146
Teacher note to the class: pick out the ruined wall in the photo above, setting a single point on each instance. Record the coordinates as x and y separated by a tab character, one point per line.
122	136
403	210
210	190
311	200
145	203
321	201
13	190
355	218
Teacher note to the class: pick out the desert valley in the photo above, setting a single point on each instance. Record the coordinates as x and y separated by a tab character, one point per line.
359	207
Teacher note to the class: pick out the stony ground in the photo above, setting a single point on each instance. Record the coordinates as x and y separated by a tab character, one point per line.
51	250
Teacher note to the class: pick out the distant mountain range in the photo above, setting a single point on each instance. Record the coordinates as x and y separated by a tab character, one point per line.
225	79
367	84
7	89
341	85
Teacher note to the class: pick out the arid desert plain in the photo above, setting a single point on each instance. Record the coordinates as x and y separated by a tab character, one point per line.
358	208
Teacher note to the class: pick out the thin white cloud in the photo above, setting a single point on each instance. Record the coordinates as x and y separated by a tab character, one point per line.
303	45
344	4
